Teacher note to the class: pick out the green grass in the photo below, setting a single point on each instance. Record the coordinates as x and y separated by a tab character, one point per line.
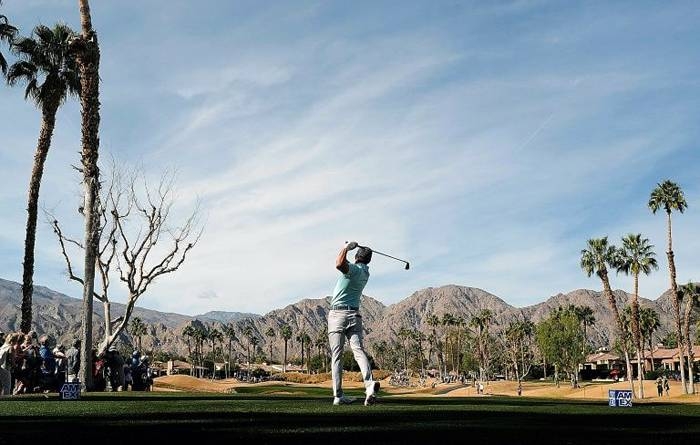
307	416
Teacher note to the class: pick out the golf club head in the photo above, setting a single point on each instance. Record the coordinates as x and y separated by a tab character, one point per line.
406	266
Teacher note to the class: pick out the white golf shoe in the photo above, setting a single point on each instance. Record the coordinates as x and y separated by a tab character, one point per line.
372	391
343	400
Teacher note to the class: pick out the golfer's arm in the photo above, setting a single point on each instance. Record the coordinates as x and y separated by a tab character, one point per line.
341	263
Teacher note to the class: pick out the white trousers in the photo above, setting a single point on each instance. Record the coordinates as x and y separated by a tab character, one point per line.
342	325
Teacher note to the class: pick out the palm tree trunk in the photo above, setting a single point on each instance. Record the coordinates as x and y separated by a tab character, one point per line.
89	62
637	334
676	302
686	333
284	365
620	327
48	122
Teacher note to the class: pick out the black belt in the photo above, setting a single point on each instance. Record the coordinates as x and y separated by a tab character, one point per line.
344	307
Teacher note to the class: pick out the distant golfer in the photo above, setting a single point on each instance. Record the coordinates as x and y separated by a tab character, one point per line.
344	320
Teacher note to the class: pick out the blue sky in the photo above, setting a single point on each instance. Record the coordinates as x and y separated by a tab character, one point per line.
483	141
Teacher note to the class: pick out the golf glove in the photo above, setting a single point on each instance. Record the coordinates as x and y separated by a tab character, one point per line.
351	245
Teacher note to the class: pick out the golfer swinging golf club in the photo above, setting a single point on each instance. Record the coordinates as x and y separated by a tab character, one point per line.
344	320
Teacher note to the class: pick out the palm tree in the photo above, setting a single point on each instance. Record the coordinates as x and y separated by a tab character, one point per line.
301	337
286	333
587	318
188	333
250	335
271	334
254	342
648	323
321	344
418	338
138	329
448	320
690	293
7	34
404	334
230	334
51	75
669	196
87	52
595	260
636	256
434	321
215	336
200	334
482	322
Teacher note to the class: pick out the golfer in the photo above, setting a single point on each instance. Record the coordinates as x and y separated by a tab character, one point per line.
344	320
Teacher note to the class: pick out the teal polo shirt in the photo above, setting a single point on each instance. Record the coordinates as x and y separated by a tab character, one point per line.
348	289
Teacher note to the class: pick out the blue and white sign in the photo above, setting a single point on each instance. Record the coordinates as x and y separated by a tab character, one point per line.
619	397
70	391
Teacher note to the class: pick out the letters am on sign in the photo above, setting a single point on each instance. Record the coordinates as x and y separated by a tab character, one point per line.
70	391
617	397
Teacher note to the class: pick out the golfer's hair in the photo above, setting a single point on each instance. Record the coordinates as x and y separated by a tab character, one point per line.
363	255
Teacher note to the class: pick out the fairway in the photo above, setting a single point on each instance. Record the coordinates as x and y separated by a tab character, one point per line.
305	415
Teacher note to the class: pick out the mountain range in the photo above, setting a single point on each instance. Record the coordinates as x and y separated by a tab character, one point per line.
59	315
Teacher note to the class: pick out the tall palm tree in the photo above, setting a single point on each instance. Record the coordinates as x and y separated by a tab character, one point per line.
419	338
215	336
87	52
322	345
648	323
690	294
7	34
668	196
271	334
230	334
404	334
301	337
587	317
138	329
200	335
50	75
449	321
250	335
482	322
434	321
188	333
286	333
254	342
636	256
595	259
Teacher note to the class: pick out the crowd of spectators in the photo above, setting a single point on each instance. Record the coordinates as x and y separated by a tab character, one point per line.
31	363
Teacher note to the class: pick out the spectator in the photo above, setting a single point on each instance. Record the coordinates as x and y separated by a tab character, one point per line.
6	366
659	386
667	387
47	366
18	372
31	363
73	361
99	381
59	354
115	369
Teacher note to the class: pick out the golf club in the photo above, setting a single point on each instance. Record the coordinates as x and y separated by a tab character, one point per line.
384	254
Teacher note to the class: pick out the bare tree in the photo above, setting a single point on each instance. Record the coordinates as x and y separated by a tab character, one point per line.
135	237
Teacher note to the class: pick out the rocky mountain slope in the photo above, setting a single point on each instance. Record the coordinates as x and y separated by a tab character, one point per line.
59	315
